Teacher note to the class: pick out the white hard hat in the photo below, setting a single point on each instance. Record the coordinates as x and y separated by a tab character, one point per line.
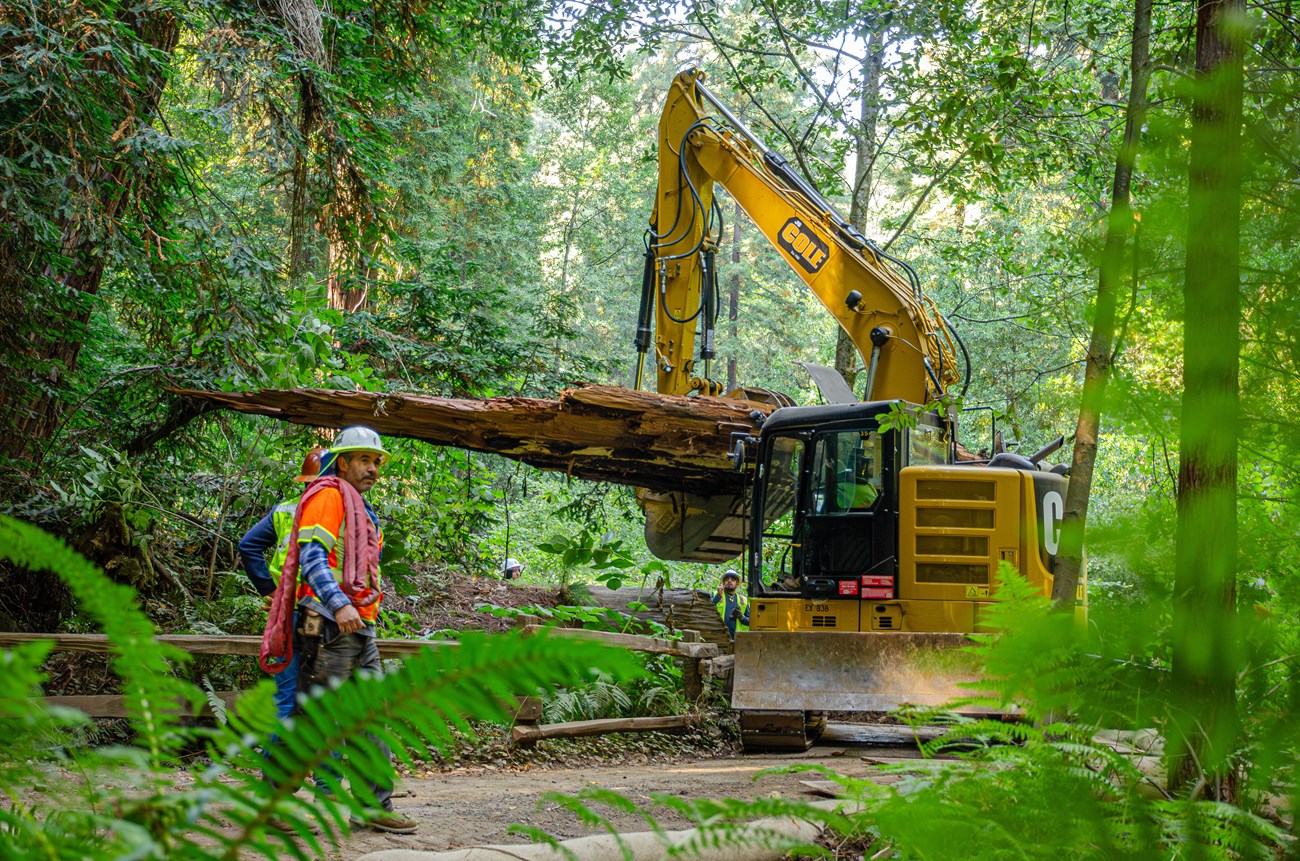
358	438
511	562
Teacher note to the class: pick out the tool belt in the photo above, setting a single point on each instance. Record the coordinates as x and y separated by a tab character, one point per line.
314	631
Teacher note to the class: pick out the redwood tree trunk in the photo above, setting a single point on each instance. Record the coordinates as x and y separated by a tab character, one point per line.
85	237
1205	725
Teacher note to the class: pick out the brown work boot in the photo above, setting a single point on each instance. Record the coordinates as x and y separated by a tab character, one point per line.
287	827
386	820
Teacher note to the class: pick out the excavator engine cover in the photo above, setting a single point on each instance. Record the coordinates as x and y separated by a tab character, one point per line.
850	671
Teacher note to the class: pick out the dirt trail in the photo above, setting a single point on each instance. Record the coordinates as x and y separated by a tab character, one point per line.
472	807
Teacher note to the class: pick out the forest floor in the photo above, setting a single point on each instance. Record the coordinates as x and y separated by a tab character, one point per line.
477	805
473	794
481	790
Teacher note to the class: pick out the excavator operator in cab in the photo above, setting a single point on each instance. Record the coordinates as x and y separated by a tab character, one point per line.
858	488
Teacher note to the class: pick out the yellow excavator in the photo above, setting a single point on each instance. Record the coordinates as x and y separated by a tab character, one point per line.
870	550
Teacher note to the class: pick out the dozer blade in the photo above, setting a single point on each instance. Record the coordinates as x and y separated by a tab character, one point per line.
782	671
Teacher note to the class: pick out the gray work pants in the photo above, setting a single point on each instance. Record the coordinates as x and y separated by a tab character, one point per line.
338	656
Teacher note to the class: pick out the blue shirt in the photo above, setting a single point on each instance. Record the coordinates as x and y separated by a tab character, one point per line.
252	551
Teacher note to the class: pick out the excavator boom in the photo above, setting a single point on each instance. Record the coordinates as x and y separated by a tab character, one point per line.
907	349
905	345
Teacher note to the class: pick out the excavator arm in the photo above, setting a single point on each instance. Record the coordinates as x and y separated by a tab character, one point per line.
906	347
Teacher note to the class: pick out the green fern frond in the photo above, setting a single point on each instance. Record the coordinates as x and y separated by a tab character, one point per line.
415	710
709	837
851	788
610	699
215	703
579	805
149	685
601	698
537	835
715	811
565	705
730	823
422	706
32	735
660	699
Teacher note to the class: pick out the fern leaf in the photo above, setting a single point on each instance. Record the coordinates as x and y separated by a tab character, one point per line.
150	688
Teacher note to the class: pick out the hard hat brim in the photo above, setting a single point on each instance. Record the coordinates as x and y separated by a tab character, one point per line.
351	448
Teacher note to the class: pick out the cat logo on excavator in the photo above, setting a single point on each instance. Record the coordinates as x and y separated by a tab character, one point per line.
806	247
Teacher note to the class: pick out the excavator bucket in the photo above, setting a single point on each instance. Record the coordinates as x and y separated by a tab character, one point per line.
833	671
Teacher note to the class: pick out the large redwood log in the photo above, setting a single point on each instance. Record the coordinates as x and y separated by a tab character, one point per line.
601	433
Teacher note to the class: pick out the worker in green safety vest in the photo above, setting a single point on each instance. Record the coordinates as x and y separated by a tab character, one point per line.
732	604
272	532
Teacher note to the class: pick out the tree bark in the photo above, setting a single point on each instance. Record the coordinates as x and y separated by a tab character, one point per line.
1102	348
602	433
301	220
1205	726
733	294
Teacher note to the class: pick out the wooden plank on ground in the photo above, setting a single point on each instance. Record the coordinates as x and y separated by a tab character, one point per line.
114	705
230	644
203	644
601	433
527	736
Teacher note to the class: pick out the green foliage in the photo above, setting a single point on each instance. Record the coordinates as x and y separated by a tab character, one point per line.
659	692
593	618
607	560
597	700
127	802
1031	787
149	157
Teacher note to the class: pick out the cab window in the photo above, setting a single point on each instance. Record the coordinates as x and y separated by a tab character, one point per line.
846	472
926	445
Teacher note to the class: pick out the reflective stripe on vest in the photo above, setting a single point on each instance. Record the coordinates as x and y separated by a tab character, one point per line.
742	603
334	545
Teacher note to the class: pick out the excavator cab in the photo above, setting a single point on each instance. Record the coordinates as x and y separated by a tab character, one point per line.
827	630
842	471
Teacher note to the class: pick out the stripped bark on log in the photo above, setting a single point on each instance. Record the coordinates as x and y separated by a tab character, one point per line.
600	433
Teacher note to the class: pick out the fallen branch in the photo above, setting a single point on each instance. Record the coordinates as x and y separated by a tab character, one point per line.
527	736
